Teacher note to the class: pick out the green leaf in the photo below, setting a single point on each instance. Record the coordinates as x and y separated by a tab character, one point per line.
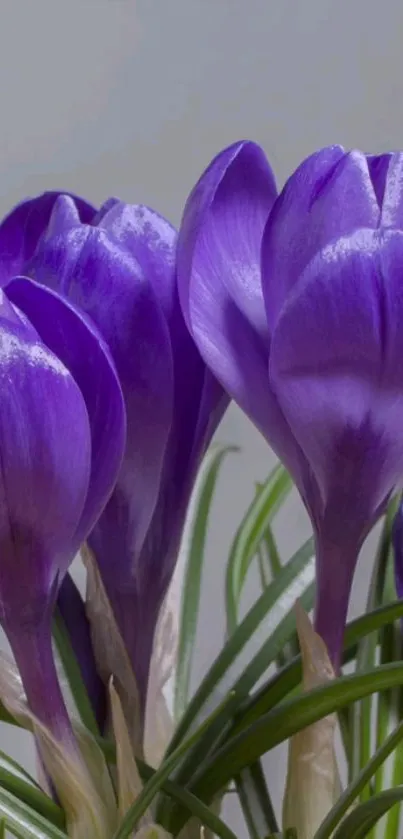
15	780
24	822
293	582
352	792
255	801
269	563
364	817
73	674
193	805
294	579
282	683
282	722
291	833
200	504
362	712
158	779
249	535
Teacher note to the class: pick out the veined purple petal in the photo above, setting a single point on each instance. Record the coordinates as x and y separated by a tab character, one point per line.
218	262
21	230
73	339
111	285
329	196
335	368
219	243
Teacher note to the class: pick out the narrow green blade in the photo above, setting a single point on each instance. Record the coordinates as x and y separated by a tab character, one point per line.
352	792
294	579
25	822
364	817
249	535
199	511
284	721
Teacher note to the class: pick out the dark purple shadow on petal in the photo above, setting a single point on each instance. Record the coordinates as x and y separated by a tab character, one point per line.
378	165
81	349
72	611
21	230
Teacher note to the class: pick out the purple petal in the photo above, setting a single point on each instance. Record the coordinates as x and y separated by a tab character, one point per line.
378	165
218	271
307	216
392	201
335	366
21	230
45	448
219	284
79	347
111	284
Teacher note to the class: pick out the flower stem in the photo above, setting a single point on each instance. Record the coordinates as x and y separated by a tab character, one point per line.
32	649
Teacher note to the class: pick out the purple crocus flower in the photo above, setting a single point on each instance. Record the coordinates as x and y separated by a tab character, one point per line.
296	304
62	433
118	265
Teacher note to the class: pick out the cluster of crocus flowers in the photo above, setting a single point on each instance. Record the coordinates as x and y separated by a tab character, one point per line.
107	409
121	344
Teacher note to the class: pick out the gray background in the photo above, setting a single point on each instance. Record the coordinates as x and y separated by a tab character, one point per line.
133	98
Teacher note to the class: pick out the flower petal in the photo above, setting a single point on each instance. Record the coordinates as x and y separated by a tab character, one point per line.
152	239
79	347
335	367
219	285
23	227
218	272
45	451
307	216
392	199
111	284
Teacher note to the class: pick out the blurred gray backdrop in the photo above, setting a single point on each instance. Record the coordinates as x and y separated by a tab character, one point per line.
133	98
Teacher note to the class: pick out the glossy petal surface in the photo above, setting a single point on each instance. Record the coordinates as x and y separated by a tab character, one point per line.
82	351
329	196
45	451
110	283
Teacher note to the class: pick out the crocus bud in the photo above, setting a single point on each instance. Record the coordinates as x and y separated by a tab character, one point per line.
295	304
62	429
313	782
118	265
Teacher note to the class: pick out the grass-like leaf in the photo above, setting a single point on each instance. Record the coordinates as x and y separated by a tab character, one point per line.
363	818
352	792
25	822
249	535
195	534
284	721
